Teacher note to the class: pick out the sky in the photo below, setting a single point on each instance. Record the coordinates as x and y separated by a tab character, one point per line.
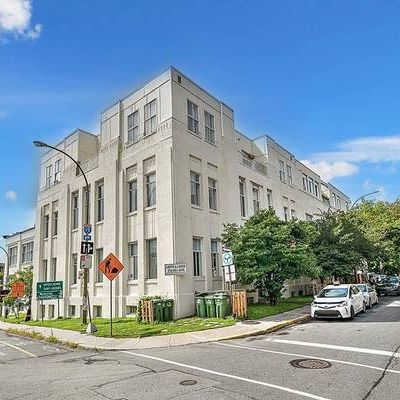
321	77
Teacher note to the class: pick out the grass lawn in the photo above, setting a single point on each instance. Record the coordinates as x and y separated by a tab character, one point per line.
128	327
256	311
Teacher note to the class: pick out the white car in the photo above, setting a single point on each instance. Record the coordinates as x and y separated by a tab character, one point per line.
369	293
338	301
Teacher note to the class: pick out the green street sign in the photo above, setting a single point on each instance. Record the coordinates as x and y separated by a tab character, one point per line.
49	290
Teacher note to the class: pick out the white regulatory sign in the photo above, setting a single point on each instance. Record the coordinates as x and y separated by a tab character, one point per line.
227	258
230	273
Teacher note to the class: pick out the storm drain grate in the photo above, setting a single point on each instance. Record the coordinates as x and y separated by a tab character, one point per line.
310	363
188	382
250	322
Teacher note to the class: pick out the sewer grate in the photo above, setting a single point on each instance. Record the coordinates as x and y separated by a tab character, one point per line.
188	382
310	363
250	322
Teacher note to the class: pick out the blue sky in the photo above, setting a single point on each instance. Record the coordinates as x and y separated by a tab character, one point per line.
322	78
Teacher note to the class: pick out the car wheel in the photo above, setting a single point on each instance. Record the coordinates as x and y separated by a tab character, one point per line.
352	313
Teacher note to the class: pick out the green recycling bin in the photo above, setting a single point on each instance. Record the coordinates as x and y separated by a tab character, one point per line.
210	306
168	310
158	310
200	305
222	304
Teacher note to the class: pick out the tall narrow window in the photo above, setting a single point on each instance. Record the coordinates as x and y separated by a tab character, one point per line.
293	214
99	259
309	217
46	226
316	189
289	174
212	193
214	257
193	117
151	192
242	197
57	171
49	169
282	176
55	223
305	179
132	196
53	269
13	255
75	210
44	271
133	127
310	185
194	188
256	199
27	252
150	118
100	202
286	213
197	264
74	269
209	127
269	198
151	249
133	261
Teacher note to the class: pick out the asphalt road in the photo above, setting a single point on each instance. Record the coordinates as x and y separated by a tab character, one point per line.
362	359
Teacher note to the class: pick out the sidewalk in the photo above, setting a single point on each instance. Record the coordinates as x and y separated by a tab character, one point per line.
239	330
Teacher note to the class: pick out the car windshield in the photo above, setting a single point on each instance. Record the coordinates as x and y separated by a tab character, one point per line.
363	288
333	292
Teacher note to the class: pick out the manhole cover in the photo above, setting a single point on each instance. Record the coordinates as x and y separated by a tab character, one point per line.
310	363
188	382
250	322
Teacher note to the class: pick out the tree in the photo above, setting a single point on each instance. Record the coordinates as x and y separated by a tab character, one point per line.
340	246
269	251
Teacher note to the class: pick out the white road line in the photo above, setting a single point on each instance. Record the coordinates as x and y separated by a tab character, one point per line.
18	348
394	304
335	347
306	356
239	378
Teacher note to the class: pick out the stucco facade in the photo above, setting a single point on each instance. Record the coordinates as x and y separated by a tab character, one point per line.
166	171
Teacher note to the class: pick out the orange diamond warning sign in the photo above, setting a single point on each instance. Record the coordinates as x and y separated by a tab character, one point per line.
111	267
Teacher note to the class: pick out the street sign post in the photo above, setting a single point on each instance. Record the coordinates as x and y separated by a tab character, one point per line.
111	267
229	267
175	269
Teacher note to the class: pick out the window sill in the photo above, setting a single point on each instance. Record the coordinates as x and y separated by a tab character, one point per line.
152	281
74	230
146	135
55	236
98	284
150	208
99	222
199	278
73	286
214	211
130	214
133	282
212	144
195	134
45	239
196	207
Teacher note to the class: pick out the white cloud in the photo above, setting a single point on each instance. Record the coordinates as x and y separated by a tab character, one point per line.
15	18
11	195
330	170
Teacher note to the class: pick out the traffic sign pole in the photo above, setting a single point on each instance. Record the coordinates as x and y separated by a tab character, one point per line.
110	308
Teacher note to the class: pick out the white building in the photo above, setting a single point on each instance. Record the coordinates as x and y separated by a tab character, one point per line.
167	170
20	248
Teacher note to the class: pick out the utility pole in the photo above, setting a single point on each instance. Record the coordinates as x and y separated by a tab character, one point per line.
6	272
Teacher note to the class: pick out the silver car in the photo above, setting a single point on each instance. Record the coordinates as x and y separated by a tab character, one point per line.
369	294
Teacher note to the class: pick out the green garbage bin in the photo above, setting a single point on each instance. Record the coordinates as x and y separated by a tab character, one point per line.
158	310
210	306
200	305
222	304
168	308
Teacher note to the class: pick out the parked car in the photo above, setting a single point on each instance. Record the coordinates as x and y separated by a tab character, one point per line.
380	286
369	293
393	286
338	301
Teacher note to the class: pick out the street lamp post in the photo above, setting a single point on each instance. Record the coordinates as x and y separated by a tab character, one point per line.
6	271
91	327
362	197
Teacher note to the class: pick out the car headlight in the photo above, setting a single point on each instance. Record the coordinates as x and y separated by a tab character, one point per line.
344	304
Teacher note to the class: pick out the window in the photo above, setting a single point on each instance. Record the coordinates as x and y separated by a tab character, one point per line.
71	311
75	210
48	175
132	196
99	259
316	189
151	189
151	249
150	118
242	197
209	127
46	226
338	202
289	174
193	117
27	252
13	255
53	269
133	127
194	188
309	217
55	223
214	257
286	213
197	267
282	171
133	261
256	199
269	198
305	180
51	311
130	310
57	171
97	311
212	193
74	269
310	184
100	202
44	271
293	214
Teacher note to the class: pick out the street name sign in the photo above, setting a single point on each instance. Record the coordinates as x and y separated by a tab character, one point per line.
49	290
18	289
175	269
87	248
111	267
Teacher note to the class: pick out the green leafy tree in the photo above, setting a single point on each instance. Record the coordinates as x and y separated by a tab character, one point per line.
269	251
